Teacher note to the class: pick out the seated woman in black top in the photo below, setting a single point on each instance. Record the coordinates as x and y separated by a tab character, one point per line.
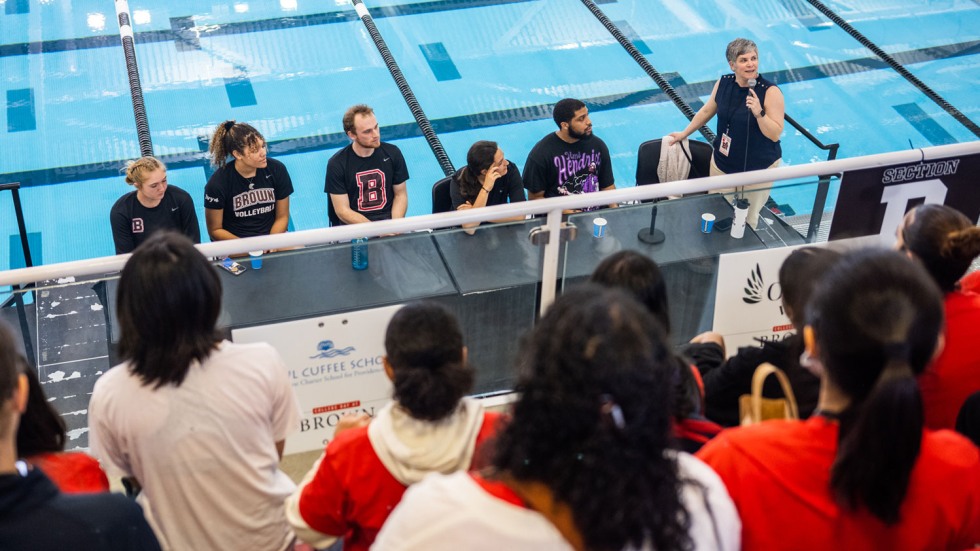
487	179
153	206
248	194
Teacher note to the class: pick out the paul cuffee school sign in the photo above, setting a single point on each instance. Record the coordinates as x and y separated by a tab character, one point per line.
874	200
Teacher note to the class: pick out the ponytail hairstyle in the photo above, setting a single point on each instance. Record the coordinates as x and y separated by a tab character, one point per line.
168	302
876	317
478	158
943	239
593	421
424	345
137	171
231	136
41	429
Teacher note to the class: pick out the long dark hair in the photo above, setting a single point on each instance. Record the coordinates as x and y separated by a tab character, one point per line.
231	136
876	317
478	158
424	345
642	279
169	299
798	276
11	362
944	240
41	429
592	421
640	276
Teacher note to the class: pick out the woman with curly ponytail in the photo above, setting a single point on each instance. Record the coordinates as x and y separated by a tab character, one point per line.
248	194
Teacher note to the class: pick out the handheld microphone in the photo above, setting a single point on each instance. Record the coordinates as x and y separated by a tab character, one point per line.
752	82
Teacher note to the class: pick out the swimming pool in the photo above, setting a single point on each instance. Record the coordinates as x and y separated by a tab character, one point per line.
481	69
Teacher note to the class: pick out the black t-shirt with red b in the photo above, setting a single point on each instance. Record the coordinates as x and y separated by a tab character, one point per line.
368	182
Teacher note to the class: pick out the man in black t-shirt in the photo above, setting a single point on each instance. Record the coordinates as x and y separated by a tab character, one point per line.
367	180
570	160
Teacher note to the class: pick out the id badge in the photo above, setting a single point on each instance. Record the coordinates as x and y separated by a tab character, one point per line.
726	143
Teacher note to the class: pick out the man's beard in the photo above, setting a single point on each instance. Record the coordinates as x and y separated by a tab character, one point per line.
578	135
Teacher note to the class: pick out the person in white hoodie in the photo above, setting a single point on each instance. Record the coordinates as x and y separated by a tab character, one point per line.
584	462
429	427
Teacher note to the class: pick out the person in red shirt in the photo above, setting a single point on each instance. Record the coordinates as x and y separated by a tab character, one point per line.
429	427
41	438
970	283
945	242
862	473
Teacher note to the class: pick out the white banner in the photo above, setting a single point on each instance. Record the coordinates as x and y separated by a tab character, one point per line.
334	363
749	300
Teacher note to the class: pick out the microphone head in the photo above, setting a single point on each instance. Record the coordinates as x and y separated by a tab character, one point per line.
752	83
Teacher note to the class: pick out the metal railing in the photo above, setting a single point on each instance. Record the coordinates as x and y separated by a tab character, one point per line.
551	208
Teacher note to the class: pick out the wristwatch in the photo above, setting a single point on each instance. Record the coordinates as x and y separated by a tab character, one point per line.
762	113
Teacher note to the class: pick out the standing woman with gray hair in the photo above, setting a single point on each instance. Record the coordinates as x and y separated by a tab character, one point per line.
750	111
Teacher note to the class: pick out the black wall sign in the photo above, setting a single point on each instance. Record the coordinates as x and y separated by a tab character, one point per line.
874	200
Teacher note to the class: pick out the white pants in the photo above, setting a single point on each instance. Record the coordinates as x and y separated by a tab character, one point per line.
757	194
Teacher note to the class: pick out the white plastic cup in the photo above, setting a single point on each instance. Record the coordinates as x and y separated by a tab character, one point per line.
256	257
599	227
707	222
738	222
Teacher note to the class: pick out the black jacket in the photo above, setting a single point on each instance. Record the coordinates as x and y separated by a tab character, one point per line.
725	381
35	515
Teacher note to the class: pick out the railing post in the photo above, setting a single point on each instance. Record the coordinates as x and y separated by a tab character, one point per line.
549	265
21	226
820	200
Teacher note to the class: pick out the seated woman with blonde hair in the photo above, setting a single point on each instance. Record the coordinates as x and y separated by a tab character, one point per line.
154	205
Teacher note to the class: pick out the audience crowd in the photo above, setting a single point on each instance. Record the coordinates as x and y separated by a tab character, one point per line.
594	454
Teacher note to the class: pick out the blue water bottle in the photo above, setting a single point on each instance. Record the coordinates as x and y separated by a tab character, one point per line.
359	253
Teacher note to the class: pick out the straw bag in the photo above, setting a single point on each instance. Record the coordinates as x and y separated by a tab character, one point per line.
753	408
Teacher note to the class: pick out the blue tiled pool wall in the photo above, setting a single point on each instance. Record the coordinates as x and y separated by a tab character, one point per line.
481	69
